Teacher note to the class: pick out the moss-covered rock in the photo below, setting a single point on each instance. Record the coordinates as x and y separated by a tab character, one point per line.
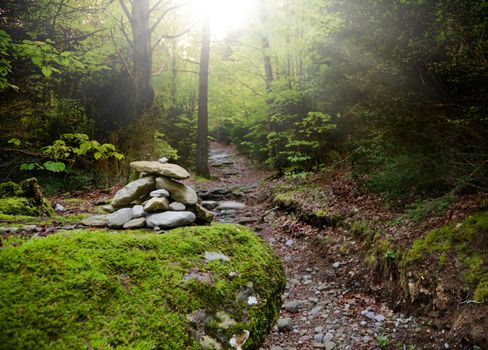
306	204
139	290
25	199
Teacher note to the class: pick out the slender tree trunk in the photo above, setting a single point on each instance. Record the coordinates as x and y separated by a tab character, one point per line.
142	56
202	130
268	68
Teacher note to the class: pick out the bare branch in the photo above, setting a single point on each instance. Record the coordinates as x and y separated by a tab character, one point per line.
248	86
126	66
165	12
81	37
126	10
156	5
124	32
57	14
162	70
190	61
172	36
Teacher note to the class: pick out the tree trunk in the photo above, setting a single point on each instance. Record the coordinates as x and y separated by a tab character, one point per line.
202	130
268	68
142	56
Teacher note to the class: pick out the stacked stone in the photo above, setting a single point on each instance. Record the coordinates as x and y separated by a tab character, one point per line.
156	200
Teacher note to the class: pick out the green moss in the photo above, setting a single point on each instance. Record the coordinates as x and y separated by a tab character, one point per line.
97	289
454	236
360	229
16	218
75	201
34	220
25	199
462	245
481	291
18	206
9	189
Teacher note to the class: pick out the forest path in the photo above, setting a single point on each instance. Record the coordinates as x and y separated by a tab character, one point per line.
322	309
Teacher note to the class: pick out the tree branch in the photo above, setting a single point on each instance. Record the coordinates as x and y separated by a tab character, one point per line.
124	32
247	86
165	12
172	36
124	63
156	5
81	37
161	70
126	10
190	61
57	14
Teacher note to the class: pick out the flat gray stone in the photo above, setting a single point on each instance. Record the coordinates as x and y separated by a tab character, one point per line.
135	223
119	218
170	170
329	345
178	191
292	306
95	221
213	256
210	204
177	206
159	193
138	211
285	324
133	191
108	208
156	204
170	219
230	205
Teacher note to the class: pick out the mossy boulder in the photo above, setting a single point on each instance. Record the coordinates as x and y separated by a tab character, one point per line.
24	199
192	288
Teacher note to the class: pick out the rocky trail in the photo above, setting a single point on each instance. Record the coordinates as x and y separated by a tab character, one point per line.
323	307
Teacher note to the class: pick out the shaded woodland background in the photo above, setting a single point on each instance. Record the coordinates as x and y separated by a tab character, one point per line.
394	91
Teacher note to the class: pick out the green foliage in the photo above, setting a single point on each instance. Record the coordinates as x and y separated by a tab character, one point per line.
5	65
423	209
129	290
162	147
360	229
382	341
73	149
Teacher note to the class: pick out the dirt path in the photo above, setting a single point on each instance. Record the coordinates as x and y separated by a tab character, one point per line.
322	308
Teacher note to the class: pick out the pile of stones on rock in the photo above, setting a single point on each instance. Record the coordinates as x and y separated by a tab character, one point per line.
156	200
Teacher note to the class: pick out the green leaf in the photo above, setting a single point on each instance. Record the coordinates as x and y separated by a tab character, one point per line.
55	167
15	141
37	60
47	71
27	166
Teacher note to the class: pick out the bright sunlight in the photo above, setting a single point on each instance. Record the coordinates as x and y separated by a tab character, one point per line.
226	15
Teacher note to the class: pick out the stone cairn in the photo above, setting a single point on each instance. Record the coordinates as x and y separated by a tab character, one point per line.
156	200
